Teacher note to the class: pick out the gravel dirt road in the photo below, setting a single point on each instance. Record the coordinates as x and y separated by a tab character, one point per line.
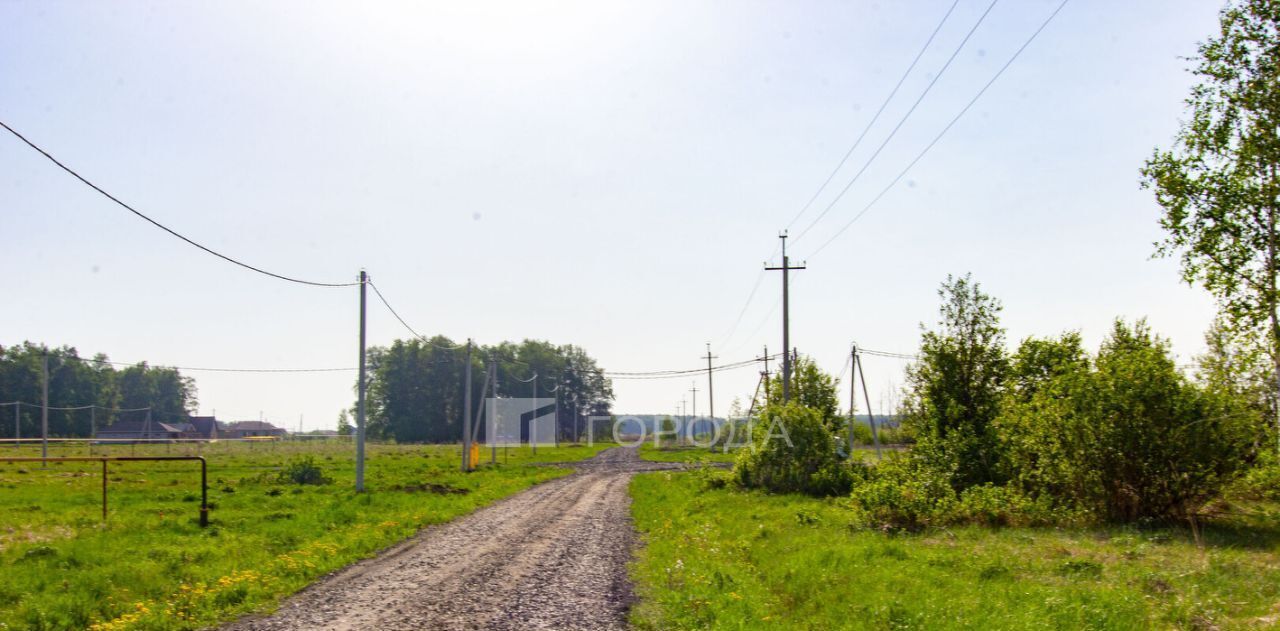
552	557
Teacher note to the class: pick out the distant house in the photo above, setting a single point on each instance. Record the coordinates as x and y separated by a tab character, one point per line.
188	430
205	426
141	430
250	429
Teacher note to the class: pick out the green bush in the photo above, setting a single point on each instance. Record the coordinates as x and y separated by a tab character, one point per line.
901	494
303	470
1129	438
1260	482
793	451
991	505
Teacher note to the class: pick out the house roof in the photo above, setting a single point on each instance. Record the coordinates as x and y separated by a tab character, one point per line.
138	427
251	426
205	424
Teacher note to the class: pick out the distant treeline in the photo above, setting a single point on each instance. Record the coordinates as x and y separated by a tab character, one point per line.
416	390
77	382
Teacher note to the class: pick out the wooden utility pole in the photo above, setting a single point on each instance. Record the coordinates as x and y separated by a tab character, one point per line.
360	396
786	316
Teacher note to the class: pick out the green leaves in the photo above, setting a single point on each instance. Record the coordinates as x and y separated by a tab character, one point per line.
1220	185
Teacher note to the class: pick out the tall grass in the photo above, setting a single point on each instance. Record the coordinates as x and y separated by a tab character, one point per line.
150	565
722	558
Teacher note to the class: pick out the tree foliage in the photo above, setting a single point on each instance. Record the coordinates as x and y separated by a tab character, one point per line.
792	451
79	382
1125	436
416	388
811	387
1220	184
954	390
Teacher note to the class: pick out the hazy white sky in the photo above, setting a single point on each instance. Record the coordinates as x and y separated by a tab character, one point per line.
606	174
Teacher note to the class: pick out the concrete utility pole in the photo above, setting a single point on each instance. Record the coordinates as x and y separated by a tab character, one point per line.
492	422
853	393
533	422
364	280
786	316
44	410
711	393
875	436
556	392
466	413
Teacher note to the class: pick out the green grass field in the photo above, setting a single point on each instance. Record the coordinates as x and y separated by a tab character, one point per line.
731	559
150	565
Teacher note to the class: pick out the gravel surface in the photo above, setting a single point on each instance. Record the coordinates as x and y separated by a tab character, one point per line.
552	557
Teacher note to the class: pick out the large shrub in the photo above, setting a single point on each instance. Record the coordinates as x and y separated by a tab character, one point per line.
793	451
1129	438
954	391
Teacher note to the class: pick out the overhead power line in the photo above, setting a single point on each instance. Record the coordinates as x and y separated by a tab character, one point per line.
415	333
901	121
729	336
942	133
162	226
876	117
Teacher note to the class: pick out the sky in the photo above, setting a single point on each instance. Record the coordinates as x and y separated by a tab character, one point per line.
612	175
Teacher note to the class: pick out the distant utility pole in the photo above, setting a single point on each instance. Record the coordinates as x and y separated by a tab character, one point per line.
765	374
44	410
786	316
693	418
466	413
711	393
556	392
364	280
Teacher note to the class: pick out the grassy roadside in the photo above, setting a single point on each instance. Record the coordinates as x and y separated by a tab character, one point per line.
668	452
729	559
151	566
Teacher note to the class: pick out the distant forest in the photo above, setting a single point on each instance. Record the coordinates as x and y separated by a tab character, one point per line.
416	389
77	382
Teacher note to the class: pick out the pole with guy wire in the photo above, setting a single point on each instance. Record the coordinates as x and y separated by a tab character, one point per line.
862	374
853	393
